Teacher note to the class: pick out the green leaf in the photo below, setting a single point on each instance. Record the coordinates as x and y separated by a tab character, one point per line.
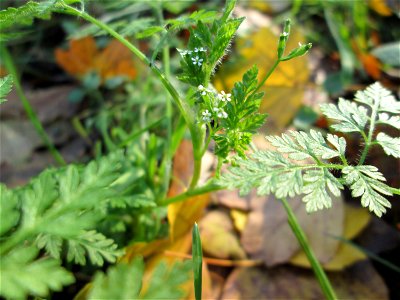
243	118
9	214
366	182
316	185
352	117
25	14
123	281
166	281
22	274
149	31
94	245
5	87
197	257
301	145
378	98
384	118
390	145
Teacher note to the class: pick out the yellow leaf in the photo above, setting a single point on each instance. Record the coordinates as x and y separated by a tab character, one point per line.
182	215
239	218
356	219
380	7
284	89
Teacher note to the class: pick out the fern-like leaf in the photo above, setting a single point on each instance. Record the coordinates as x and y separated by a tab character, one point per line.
390	145
22	274
367	182
351	117
124	281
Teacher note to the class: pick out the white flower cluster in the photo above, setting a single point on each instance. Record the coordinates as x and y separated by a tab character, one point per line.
196	60
218	111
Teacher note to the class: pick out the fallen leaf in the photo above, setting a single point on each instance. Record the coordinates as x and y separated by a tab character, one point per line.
360	281
356	219
380	7
182	215
239	218
83	57
267	235
218	236
284	89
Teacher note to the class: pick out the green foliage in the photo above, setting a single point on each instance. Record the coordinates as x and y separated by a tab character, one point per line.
23	274
243	118
25	14
301	163
197	261
5	87
366	182
124	281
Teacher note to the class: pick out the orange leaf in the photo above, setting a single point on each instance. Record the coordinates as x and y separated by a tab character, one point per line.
371	65
115	60
182	215
79	59
83	57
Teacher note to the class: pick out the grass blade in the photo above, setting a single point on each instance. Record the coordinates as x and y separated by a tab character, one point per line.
197	255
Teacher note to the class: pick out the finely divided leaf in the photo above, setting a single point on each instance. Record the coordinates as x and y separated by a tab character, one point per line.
25	14
22	274
393	121
5	87
316	185
379	98
94	245
390	145
366	182
123	281
9	214
301	145
352	117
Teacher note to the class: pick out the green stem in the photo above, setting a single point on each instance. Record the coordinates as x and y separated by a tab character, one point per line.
267	76
302	239
196	132
368	142
207	188
394	191
9	64
167	158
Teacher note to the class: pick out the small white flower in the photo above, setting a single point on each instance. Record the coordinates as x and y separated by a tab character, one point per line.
206	116
196	50
197	60
300	44
285	34
224	97
202	49
222	114
216	109
202	90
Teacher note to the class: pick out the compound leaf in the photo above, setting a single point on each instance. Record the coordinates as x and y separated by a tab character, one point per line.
23	274
366	182
390	145
352	117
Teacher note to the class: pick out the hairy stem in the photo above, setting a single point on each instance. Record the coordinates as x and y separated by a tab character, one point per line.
267	76
302	239
368	142
8	61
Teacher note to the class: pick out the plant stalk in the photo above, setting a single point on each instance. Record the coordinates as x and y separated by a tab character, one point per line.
9	63
302	239
196	132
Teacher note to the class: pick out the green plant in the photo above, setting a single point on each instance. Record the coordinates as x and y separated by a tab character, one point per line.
71	213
